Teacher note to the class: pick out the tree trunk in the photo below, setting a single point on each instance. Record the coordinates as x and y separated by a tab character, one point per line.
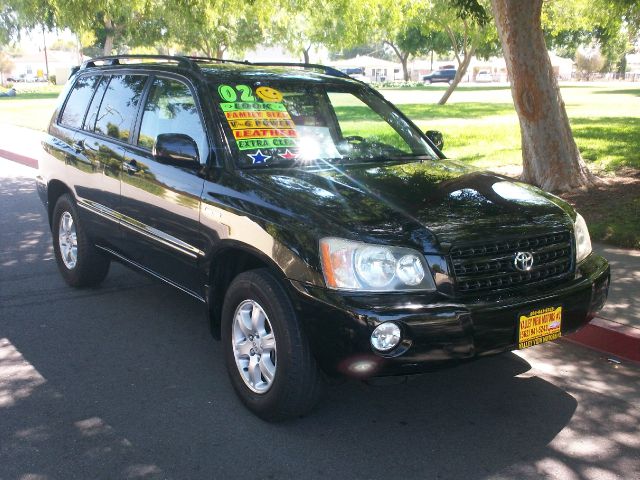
305	54
108	41
405	68
404	59
551	159
460	73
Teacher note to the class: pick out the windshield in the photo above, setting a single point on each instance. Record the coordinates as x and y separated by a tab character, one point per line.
301	123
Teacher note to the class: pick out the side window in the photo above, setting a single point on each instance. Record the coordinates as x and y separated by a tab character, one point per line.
119	105
76	106
92	113
172	109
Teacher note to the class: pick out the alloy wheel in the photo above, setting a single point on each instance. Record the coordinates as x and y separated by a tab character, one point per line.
254	346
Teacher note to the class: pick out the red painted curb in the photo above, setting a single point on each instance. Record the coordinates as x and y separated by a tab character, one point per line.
609	337
15	157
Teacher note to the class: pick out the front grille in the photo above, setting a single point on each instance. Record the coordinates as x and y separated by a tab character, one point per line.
490	266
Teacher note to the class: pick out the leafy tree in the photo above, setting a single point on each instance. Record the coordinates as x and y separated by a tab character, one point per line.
299	25
417	39
8	24
213	28
588	62
399	25
571	24
468	26
112	22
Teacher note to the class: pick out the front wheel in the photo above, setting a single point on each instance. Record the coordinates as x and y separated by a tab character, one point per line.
79	262
267	355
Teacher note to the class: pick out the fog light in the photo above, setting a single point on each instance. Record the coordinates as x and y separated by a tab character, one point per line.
385	336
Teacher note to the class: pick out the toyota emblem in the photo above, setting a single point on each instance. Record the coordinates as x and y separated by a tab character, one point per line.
523	261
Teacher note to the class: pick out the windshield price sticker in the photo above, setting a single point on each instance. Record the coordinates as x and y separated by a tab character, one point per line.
264	133
266	143
539	326
259	121
238	106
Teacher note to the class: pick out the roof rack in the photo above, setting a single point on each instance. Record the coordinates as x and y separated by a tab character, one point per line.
191	63
115	60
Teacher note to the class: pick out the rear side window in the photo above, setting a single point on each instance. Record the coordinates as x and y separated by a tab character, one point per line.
92	113
76	106
119	106
172	109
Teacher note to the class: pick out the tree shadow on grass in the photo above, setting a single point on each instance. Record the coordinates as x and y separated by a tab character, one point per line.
622	91
612	141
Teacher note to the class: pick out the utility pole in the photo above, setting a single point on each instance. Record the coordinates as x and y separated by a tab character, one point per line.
46	58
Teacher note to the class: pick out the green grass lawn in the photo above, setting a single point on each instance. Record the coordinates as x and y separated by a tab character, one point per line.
481	128
31	109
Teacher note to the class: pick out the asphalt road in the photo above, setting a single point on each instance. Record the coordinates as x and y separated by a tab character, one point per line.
124	381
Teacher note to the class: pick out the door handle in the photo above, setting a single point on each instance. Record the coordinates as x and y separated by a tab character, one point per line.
78	146
131	167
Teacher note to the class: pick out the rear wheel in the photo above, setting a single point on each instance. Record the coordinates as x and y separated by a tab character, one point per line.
79	262
267	355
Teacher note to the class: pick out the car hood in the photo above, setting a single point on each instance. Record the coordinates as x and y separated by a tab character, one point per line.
430	204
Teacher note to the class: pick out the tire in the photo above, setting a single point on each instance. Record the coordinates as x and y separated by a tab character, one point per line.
450	82
88	267
429	82
296	382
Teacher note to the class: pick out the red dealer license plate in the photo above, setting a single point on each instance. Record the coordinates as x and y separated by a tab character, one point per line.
539	326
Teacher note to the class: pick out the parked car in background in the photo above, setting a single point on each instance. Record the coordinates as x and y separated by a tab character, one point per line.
484	76
445	75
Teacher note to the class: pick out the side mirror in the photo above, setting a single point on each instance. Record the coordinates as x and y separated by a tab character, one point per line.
436	138
176	149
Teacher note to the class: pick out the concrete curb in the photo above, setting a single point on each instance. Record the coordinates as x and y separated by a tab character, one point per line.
600	334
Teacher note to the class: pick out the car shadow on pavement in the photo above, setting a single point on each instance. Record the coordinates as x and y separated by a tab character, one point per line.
124	381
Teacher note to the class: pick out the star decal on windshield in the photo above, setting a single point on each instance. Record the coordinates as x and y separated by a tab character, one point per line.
287	155
259	157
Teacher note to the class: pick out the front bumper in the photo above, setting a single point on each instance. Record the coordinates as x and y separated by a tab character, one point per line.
436	331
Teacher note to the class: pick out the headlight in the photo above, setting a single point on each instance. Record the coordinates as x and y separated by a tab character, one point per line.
583	241
349	265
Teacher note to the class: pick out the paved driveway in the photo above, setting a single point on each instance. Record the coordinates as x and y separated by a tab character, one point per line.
124	381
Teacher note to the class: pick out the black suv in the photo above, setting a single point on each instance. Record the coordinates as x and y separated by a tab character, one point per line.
445	75
324	231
